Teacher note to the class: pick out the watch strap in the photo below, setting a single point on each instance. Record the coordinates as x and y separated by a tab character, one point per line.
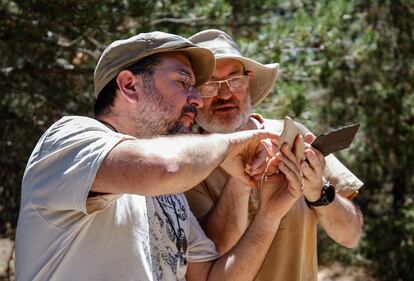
327	196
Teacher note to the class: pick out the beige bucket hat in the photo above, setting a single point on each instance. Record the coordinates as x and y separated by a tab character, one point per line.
123	53
224	47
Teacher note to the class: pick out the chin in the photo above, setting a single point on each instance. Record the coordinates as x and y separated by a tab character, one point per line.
219	127
223	126
186	131
179	129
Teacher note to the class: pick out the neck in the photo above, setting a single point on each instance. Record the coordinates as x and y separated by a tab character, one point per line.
250	125
108	125
115	123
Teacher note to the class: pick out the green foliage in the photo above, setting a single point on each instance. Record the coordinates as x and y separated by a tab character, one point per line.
340	62
395	251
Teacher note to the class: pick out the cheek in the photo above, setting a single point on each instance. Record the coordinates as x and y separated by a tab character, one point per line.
242	97
175	96
206	105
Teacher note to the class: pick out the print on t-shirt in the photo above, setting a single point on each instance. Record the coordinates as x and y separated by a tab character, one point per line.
167	228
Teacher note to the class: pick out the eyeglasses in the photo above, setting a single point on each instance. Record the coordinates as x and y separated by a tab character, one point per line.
235	84
184	80
188	86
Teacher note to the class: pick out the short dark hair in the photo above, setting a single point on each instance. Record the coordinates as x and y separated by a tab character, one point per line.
106	96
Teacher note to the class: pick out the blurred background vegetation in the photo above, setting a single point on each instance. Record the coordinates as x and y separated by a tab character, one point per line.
342	61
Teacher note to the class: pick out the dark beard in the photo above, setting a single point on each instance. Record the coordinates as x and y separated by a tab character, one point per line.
165	125
178	127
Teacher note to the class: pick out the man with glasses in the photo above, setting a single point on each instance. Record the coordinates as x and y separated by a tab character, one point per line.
102	197
225	207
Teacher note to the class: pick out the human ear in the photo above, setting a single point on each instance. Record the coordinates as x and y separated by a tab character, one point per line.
249	73
129	85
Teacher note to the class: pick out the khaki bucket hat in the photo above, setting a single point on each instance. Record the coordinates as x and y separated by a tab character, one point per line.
224	47
121	54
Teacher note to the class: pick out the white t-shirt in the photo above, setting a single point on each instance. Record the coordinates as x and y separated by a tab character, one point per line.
64	235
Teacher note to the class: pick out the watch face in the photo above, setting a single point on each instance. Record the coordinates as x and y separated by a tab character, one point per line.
327	196
329	193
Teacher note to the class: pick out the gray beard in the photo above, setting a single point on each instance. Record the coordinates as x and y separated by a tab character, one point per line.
217	126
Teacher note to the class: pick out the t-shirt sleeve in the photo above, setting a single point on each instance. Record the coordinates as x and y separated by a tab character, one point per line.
201	248
63	166
345	182
200	201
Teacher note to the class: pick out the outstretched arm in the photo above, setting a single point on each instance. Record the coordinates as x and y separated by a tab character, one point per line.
168	165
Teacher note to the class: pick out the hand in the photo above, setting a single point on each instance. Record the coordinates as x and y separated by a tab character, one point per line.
312	170
279	192
239	145
257	161
265	151
299	148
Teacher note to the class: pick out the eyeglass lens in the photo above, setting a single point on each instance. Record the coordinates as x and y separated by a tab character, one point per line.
235	84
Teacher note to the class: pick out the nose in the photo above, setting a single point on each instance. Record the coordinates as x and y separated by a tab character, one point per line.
195	99
224	91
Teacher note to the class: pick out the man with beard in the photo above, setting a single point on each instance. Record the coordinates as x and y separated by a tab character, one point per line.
102	197
225	207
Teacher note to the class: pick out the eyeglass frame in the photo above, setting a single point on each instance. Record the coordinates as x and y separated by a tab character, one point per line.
189	87
247	74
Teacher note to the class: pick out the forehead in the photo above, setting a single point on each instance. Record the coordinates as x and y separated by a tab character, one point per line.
227	67
176	61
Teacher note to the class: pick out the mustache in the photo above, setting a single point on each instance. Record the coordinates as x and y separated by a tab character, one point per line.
189	108
221	102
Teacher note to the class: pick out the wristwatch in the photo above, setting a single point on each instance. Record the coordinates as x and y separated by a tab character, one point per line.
327	196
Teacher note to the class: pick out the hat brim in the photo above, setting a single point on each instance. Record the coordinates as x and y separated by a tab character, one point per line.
264	76
202	62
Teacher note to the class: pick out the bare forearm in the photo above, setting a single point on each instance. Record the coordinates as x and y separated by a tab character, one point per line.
245	259
341	220
278	193
227	222
159	166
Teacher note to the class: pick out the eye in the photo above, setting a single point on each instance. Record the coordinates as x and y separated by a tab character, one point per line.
235	80
184	84
238	83
209	90
188	86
